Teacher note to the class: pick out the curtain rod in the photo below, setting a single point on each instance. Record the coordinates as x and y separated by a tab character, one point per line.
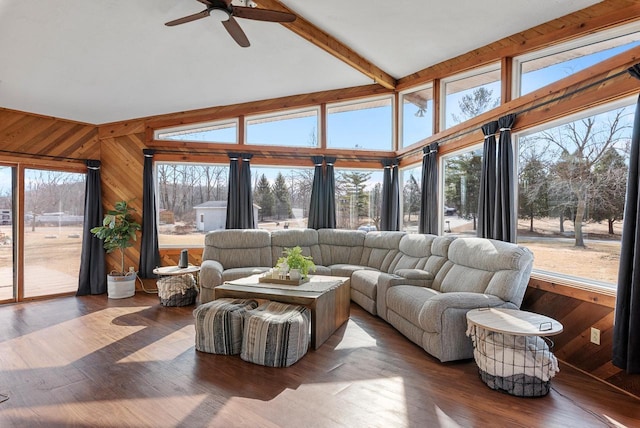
39	155
270	155
526	110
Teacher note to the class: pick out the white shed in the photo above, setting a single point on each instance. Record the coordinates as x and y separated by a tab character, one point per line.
212	215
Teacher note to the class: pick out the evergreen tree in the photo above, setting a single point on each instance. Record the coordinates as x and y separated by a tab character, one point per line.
282	198
533	191
264	197
352	190
476	103
412	196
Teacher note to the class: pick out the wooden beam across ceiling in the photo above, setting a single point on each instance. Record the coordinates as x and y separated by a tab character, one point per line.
324	41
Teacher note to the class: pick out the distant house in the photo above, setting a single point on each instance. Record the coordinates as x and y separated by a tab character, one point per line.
212	215
5	216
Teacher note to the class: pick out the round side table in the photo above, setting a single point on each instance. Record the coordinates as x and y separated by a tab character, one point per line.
176	286
513	351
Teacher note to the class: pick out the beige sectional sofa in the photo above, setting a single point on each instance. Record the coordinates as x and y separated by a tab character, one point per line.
423	285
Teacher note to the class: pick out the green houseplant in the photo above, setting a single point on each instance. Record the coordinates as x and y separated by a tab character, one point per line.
294	259
118	231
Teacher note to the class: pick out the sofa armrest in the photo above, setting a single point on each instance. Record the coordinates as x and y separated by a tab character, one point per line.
210	274
418	277
433	313
388	280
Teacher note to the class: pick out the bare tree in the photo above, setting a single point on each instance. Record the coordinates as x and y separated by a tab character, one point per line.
580	145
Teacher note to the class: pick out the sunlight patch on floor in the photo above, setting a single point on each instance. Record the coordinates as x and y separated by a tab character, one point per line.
69	341
355	337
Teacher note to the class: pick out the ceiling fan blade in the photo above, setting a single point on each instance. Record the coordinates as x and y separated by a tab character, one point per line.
262	14
189	18
206	2
236	32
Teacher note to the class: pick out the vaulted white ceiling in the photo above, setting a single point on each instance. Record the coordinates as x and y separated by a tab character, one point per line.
110	60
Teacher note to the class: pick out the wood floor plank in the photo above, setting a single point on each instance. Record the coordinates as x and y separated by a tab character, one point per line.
92	361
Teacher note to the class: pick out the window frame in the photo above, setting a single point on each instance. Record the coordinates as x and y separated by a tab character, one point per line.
391	97
400	125
600	36
195	127
283	113
495	66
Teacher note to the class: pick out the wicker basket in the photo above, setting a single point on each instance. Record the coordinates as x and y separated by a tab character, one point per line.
518	365
177	290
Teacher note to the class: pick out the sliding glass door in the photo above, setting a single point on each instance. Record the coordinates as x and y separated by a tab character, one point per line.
7	233
54	213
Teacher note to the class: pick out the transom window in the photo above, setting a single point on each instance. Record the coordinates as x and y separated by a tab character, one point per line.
362	125
211	132
294	128
416	115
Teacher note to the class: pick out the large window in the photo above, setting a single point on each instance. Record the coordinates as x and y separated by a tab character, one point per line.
470	94
214	132
363	125
538	69
192	199
7	228
282	196
54	215
572	183
411	198
358	199
416	115
296	128
461	183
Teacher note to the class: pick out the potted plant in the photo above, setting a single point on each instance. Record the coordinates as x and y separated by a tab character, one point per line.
295	260
118	231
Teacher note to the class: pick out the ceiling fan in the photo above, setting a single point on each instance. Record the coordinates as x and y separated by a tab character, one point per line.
225	12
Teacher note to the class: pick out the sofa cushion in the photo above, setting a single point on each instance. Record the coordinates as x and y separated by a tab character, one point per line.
347	269
417	274
306	239
408	301
243	272
236	248
380	250
414	250
338	246
365	281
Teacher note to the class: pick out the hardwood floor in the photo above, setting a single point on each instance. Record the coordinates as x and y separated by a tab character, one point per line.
96	362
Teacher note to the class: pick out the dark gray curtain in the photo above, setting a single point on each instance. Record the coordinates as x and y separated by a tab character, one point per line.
317	195
390	206
233	193
626	330
330	193
93	276
149	252
504	216
247	220
429	203
486	197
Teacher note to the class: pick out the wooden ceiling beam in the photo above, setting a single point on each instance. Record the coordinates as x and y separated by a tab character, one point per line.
324	41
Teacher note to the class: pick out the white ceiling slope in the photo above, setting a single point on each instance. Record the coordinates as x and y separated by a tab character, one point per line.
111	60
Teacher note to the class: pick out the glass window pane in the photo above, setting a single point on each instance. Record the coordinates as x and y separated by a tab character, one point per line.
187	192
6	233
411	198
358	199
282	196
572	183
551	66
54	214
364	125
417	116
471	95
217	132
461	174
298	129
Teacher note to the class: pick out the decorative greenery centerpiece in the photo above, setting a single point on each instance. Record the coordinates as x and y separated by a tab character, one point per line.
118	230
294	259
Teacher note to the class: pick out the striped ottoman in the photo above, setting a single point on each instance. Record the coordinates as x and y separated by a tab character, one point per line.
276	334
219	325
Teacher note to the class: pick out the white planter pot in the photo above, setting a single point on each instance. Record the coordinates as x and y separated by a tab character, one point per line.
294	274
120	287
